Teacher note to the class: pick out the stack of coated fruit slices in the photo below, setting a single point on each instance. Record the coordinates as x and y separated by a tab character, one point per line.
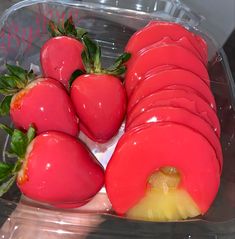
168	163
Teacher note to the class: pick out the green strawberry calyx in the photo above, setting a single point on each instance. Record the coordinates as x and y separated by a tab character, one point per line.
66	28
18	148
91	57
11	83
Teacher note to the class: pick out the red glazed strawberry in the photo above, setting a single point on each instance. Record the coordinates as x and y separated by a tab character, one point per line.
42	101
61	55
99	96
53	167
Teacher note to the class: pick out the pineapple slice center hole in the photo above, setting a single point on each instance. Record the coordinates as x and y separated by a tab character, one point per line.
165	179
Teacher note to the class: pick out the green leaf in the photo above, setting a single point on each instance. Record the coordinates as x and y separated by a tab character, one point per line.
97	59
74	76
91	48
10	154
17	79
61	30
119	71
86	62
17	71
19	140
5	105
4	187
69	27
31	76
125	57
5	170
19	143
80	33
10	84
119	61
7	129
31	133
68	24
53	29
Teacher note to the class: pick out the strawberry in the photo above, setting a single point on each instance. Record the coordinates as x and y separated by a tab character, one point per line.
99	96
52	167
41	101
60	56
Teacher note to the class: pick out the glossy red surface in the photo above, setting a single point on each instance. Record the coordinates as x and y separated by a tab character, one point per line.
156	30
180	116
143	152
182	42
180	99
61	171
46	104
100	103
166	78
153	57
60	57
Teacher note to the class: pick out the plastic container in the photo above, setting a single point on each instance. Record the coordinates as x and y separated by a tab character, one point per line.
23	30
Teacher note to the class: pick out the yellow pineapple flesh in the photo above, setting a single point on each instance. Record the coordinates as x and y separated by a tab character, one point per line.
164	200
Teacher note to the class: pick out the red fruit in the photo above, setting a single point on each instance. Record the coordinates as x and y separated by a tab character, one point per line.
176	98
46	105
60	57
159	69
100	103
43	102
142	152
57	169
167	114
155	31
154	56
182	42
99	96
166	78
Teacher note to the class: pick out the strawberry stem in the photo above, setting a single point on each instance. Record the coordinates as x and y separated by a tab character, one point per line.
18	147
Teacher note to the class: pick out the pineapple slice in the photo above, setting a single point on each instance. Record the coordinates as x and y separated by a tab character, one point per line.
164	200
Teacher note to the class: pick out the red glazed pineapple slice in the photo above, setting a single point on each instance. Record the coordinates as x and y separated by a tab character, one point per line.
156	30
163	79
183	42
142	153
177	98
162	55
180	116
